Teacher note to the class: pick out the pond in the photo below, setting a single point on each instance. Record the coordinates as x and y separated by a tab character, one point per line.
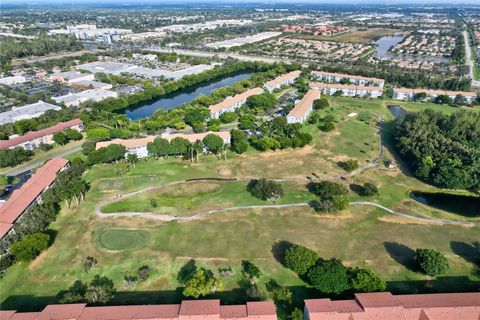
397	111
176	99
467	206
385	43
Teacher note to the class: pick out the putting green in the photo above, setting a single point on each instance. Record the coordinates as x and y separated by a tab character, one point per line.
122	239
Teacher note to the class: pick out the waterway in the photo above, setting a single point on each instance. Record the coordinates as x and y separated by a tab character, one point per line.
385	43
397	111
468	206
176	99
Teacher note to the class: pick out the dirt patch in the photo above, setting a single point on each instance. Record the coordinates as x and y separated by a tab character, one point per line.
38	261
339	157
188	189
225	172
399	220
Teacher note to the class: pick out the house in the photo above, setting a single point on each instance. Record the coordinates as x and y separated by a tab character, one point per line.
28	194
75	99
29	111
384	305
71	76
32	139
138	146
186	310
283	80
230	104
12	80
348	90
304	107
356	80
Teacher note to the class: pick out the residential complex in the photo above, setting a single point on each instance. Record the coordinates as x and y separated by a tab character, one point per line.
348	90
29	194
75	99
303	108
283	80
410	94
139	148
384	305
186	310
230	104
32	139
352	79
29	111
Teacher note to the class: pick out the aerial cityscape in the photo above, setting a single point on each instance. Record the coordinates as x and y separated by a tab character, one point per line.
226	160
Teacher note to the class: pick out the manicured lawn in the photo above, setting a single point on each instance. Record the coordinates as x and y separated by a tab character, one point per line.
360	236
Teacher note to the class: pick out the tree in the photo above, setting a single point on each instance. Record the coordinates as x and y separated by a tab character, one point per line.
459	99
100	291
265	189
179	146
330	277
3	183
442	99
431	262
159	146
366	280
88	147
89	263
76	293
202	283
132	158
300	259
251	272
73	134
368	189
98	134
340	202
197	115
228	117
327	126
143	273
420	96
213	143
60	138
348	165
261	103
30	246
282	294
320	104
296	314
327	189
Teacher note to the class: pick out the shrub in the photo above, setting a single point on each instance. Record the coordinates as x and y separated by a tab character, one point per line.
300	259
368	190
327	126
202	283
251	271
153	202
340	202
143	273
431	262
30	246
366	280
320	103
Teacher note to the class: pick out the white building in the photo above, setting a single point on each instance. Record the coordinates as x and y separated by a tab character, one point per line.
29	111
12	80
283	80
339	77
348	90
409	94
230	104
71	76
90	84
75	99
243	40
403	93
304	107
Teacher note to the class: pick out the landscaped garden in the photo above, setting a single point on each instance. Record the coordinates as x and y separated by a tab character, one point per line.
361	235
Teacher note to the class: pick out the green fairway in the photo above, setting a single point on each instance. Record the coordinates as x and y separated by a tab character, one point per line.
122	239
360	235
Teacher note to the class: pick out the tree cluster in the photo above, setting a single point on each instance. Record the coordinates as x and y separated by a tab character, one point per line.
265	189
333	196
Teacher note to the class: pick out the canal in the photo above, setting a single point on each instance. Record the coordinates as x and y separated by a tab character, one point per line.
176	99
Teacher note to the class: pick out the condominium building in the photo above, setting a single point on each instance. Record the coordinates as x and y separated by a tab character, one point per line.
32	139
339	77
186	310
75	99
28	194
283	80
348	90
29	111
409	94
230	104
139	148
304	107
384	305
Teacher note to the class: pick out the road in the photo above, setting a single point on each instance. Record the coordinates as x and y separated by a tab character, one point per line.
32	165
469	61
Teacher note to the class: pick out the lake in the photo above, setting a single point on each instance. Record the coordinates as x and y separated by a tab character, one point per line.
176	99
385	43
468	206
397	111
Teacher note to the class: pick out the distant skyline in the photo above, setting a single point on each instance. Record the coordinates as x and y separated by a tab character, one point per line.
243	2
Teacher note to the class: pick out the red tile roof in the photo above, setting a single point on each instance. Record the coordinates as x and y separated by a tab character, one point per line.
384	305
21	198
189	309
31	135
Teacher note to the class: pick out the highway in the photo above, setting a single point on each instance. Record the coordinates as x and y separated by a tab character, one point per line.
469	61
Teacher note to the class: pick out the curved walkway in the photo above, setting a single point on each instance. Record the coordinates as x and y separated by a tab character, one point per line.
168	217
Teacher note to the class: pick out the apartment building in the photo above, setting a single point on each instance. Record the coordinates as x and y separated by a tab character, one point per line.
283	80
29	111
230	104
32	139
352	79
409	94
304	107
75	99
28	194
348	90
